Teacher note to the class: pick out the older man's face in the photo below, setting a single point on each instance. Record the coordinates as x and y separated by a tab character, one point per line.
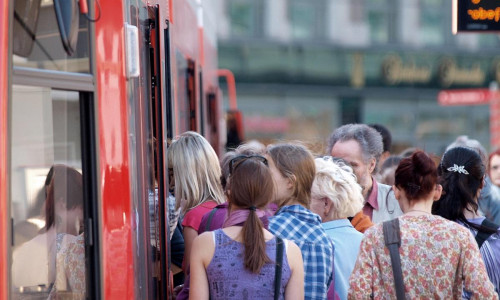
350	151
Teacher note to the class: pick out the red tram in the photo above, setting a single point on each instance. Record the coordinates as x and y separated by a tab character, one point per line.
100	86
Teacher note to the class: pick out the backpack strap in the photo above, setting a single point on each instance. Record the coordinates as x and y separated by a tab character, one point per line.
279	265
482	236
392	239
210	216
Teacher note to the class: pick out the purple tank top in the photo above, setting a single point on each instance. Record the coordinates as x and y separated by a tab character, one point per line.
228	278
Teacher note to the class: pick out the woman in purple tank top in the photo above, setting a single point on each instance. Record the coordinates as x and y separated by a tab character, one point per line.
239	262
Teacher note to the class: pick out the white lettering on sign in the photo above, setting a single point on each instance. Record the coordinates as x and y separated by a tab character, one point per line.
466	97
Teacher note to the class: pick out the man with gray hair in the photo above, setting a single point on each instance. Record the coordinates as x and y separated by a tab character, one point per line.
361	146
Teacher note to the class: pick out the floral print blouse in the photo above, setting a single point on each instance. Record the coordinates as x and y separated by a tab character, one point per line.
70	267
439	258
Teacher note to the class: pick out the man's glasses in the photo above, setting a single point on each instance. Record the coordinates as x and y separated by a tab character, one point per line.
235	162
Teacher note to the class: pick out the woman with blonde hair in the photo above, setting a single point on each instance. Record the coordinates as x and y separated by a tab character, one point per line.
197	189
335	196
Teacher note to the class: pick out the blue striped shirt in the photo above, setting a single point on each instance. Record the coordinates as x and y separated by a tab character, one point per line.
302	226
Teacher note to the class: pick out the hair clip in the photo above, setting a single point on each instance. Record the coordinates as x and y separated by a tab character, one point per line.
459	169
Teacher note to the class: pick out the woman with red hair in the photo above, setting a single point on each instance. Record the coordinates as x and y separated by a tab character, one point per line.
494	167
439	259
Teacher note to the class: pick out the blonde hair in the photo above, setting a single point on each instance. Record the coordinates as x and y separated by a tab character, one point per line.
295	162
196	171
337	182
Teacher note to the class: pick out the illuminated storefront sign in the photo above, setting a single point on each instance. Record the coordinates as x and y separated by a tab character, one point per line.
476	15
445	72
395	71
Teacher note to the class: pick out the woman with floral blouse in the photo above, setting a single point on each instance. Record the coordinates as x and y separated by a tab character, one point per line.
439	258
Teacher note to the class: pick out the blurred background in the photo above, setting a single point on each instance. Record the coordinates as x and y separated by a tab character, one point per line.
303	68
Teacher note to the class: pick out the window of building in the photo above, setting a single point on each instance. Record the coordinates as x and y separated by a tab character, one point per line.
379	17
245	17
432	22
307	19
379	26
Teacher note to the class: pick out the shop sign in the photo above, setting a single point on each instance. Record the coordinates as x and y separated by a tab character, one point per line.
475	15
449	73
395	71
466	97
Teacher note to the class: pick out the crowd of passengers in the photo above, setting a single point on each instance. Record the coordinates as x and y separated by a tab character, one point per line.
356	222
279	222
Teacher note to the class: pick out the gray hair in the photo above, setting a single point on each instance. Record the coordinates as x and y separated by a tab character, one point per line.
464	141
368	139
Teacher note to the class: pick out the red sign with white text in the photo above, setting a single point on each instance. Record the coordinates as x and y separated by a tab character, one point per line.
477	97
466	97
495	123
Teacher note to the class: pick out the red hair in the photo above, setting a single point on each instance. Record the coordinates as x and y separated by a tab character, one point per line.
416	175
497	152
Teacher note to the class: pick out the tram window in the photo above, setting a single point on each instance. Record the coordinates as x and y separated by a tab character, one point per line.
48	255
47	51
186	93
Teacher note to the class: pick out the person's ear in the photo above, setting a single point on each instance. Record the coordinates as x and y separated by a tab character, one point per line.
328	205
397	192
290	182
438	190
372	164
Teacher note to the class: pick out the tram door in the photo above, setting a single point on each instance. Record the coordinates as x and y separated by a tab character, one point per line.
158	127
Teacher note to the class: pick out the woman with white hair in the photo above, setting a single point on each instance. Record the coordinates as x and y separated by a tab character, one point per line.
335	196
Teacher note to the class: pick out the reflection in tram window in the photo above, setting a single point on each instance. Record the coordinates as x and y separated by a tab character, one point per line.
39	45
48	258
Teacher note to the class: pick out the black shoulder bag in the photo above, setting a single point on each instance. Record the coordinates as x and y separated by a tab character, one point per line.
209	221
279	264
392	238
482	236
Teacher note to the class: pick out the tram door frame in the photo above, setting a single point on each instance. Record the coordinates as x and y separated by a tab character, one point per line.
160	94
83	84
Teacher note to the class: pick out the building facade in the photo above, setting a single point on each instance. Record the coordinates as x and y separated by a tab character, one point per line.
304	68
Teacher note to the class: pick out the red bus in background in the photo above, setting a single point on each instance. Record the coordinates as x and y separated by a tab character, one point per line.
100	89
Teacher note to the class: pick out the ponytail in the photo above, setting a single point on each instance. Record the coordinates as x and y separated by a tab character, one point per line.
251	186
254	242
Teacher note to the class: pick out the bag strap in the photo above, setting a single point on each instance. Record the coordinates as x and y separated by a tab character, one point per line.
210	216
279	264
392	239
331	293
482	236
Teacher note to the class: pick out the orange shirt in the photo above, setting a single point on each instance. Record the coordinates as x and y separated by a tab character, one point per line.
361	222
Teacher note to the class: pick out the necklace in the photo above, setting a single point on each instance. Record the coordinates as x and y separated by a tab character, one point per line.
418	210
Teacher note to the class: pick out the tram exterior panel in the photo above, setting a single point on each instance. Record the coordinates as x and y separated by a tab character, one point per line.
88	112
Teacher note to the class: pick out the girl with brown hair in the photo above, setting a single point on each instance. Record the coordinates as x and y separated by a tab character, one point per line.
240	262
293	170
